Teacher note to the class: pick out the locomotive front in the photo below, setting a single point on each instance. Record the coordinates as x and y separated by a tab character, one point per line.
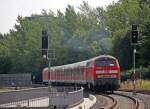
107	73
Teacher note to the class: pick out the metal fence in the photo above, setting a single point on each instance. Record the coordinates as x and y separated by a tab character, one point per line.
66	96
53	98
37	102
15	80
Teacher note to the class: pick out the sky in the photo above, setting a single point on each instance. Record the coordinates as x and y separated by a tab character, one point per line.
10	9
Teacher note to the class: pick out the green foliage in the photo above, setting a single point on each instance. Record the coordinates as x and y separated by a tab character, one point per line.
73	35
5	64
145	45
77	36
141	73
119	18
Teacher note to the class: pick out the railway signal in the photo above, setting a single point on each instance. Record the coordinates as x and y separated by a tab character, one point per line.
47	53
44	43
134	34
134	42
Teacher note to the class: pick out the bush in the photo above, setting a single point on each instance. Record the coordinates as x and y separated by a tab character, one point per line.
142	72
5	64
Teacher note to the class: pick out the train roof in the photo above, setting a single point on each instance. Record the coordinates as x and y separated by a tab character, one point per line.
73	65
103	56
79	64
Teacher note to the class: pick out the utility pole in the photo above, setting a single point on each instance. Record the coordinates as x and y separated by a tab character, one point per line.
134	51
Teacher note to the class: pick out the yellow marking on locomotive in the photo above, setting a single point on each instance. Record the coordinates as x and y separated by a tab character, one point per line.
104	76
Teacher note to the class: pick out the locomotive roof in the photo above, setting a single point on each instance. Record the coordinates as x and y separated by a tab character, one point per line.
79	64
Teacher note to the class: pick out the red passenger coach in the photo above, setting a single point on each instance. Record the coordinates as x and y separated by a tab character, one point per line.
102	73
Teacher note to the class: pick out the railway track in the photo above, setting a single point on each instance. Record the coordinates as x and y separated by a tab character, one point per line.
125	102
137	91
104	101
115	101
142	95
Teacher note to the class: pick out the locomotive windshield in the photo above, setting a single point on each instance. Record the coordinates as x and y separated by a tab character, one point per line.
105	62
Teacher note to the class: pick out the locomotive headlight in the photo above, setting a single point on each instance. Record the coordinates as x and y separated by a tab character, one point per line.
113	71
99	71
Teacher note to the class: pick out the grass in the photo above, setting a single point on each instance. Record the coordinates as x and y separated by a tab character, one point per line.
139	84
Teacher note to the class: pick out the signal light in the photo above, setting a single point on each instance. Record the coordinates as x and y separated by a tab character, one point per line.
134	34
134	37
134	27
44	42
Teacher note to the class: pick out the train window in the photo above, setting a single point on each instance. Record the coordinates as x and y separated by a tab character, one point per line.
105	62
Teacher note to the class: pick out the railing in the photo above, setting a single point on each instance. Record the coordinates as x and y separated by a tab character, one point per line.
67	96
54	97
37	102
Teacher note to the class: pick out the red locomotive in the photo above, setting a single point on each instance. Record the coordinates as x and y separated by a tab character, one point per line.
102	73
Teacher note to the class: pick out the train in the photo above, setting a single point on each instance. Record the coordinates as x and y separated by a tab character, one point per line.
98	73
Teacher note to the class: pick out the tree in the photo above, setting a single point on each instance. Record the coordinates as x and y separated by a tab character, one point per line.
145	45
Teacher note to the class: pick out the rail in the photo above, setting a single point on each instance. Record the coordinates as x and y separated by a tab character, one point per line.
136	102
143	97
113	104
102	101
